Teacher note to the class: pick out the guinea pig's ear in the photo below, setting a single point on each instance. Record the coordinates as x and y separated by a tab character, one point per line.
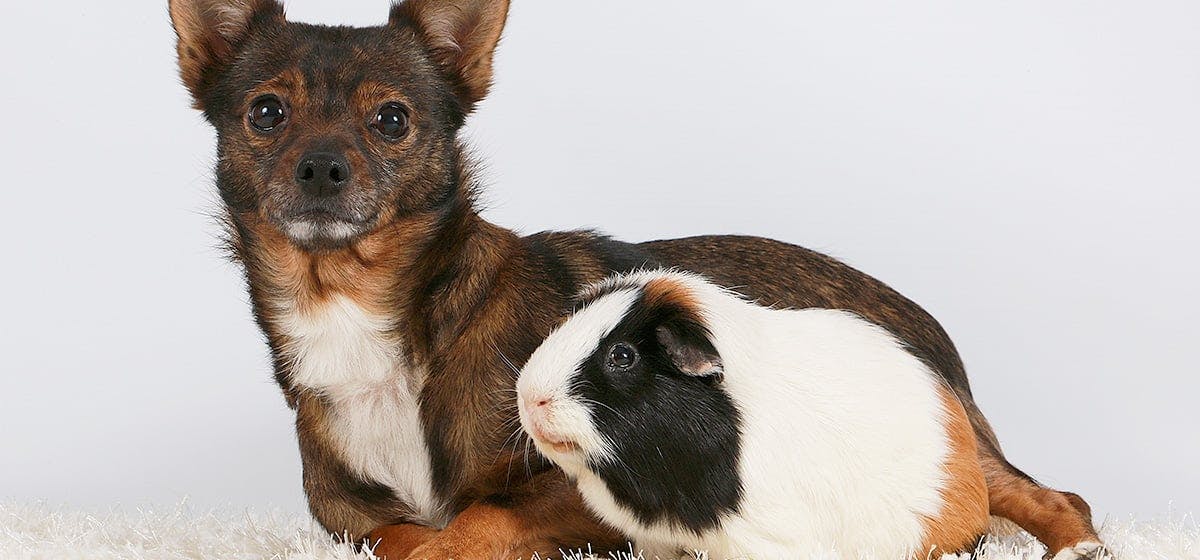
690	350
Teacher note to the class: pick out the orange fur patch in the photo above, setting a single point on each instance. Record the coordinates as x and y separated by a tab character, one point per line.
1056	518
366	272
669	293
964	516
397	542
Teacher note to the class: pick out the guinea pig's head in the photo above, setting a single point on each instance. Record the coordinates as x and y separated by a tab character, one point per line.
630	388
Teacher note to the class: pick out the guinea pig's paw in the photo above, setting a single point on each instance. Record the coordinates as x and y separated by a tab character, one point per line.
1087	550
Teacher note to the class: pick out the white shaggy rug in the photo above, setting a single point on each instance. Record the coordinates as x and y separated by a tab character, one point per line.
39	531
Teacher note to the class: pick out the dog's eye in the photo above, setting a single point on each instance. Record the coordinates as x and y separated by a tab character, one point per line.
391	121
267	112
622	356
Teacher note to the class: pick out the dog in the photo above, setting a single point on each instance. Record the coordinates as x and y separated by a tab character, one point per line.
395	314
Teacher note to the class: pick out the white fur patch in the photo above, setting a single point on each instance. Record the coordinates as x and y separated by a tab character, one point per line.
843	442
347	356
305	231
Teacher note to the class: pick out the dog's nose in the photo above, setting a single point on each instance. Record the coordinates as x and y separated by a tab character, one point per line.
322	174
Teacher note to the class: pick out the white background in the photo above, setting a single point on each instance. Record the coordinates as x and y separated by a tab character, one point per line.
1026	170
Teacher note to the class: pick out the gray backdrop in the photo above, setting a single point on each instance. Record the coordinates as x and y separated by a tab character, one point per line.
1026	170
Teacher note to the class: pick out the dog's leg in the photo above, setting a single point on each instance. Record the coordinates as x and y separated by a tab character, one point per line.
1061	520
397	542
542	515
484	531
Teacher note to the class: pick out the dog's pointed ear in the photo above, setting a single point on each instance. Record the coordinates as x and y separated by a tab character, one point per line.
209	33
688	346
461	35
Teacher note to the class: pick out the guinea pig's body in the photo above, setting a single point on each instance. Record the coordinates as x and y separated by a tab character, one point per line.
694	420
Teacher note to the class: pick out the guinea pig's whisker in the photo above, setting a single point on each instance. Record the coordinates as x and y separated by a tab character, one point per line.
598	403
608	441
620	462
504	445
579	383
504	391
515	437
528	469
506	361
510	422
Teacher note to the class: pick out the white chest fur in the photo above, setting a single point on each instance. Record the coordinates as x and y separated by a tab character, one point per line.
347	355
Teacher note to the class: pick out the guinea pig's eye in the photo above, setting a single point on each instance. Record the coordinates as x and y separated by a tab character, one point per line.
622	356
267	112
391	121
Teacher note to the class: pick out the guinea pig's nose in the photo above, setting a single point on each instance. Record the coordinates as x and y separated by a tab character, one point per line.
536	402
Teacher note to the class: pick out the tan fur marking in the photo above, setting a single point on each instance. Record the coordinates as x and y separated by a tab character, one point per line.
365	272
666	292
289	86
397	542
542	517
480	531
964	516
1058	519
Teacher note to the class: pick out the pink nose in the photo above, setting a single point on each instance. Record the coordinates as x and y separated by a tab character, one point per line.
538	409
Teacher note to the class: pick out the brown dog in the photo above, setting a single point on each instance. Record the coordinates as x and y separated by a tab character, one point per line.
395	313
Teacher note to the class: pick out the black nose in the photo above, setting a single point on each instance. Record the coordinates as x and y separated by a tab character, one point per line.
322	174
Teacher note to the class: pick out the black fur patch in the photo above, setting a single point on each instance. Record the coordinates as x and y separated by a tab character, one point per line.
676	437
555	268
620	256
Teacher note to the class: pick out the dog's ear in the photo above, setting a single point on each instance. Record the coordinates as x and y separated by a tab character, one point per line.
209	33
461	35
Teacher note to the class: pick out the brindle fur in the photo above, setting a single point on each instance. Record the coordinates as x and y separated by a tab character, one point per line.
470	299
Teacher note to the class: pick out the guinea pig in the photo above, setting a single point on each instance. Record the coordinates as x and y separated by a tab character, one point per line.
694	420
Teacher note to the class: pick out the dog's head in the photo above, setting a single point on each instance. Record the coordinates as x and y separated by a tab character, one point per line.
328	133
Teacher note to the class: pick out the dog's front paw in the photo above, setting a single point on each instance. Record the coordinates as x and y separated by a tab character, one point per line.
1087	550
397	542
440	549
